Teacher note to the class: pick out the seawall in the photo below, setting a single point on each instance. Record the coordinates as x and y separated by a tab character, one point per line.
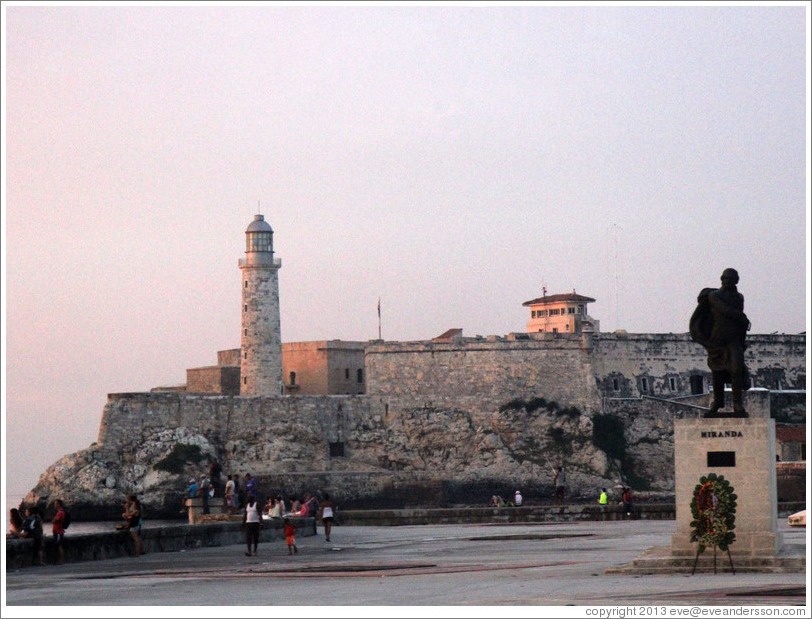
171	538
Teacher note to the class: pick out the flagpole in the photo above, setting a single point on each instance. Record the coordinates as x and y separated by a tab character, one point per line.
379	318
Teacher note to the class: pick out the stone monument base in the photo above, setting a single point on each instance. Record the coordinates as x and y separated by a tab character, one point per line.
742	450
660	560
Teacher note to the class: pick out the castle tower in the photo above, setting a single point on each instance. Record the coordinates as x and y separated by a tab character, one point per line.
261	340
560	313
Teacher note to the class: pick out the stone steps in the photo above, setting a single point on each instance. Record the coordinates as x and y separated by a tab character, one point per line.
661	561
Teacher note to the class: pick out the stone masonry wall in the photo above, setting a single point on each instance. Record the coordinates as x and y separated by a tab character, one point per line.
492	371
774	362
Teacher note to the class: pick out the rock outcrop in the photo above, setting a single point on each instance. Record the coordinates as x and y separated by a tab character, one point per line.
362	450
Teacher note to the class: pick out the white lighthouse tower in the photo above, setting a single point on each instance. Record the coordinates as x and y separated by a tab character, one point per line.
261	340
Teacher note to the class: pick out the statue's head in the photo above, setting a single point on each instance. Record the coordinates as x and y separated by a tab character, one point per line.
730	276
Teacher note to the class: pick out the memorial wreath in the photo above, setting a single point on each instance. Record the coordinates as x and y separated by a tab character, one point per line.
714	511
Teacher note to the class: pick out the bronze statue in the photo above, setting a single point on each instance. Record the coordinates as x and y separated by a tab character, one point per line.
720	325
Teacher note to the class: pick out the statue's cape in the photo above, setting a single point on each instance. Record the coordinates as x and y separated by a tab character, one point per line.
701	323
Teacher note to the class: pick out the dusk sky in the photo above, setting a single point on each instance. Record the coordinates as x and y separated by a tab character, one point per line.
449	160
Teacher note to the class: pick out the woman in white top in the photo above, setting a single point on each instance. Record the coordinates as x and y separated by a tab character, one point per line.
275	510
253	522
327	511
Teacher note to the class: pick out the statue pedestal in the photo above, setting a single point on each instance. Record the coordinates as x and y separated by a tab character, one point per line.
743	451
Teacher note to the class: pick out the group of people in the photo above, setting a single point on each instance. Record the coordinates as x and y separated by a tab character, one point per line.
559	481
625	499
31	527
240	494
275	508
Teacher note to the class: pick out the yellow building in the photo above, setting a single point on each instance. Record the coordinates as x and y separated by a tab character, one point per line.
560	313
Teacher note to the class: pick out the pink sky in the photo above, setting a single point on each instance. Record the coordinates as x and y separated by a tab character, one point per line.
451	160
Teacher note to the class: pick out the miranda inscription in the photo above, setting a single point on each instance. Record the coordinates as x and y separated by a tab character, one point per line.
722	434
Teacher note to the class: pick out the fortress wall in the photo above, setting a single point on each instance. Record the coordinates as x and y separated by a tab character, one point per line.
628	358
774	361
777	361
495	372
569	369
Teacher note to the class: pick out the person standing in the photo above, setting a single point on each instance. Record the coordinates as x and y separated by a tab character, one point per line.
204	492
58	530
559	482
517	499
604	498
250	484
238	492
231	494
215	472
32	528
252	519
327	511
290	537
15	521
132	514
626	497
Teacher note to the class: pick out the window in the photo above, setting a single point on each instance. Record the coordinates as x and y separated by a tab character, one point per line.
246	283
245	332
533	314
644	385
245	380
245	355
581	310
615	384
570	310
672	383
245	308
336	450
360	376
347	373
292	379
697	385
258	241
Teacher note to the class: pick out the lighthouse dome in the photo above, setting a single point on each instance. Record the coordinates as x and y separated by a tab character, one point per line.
259	225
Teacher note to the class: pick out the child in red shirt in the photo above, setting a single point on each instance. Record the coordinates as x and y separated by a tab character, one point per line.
290	537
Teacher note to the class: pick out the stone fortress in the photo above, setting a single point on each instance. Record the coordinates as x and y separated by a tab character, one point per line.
450	420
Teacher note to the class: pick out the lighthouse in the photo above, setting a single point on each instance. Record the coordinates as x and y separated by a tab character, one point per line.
261	340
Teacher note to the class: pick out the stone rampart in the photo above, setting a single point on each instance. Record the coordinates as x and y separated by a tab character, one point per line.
575	370
493	372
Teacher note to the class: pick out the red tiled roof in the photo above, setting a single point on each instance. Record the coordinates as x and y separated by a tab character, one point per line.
451	333
790	434
560	298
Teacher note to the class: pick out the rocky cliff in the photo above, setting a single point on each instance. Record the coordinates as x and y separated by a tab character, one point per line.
368	451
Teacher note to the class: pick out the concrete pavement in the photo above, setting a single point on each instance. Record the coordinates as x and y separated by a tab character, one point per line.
479	564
